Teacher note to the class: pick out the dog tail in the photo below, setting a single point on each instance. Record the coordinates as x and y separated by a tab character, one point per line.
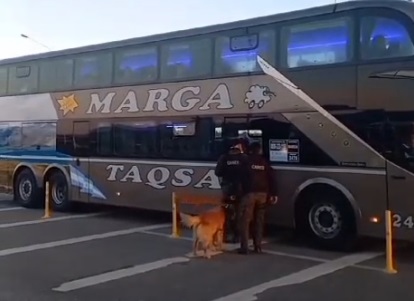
190	220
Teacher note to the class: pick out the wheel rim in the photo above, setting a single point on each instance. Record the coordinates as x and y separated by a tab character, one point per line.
58	193
325	220
25	189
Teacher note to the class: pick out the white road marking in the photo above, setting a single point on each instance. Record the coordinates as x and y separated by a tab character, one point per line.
76	240
300	277
296	256
166	235
12	209
118	274
232	247
48	220
318	259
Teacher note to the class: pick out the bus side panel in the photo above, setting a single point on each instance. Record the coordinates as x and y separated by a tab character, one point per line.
384	94
6	172
150	185
361	187
401	201
329	86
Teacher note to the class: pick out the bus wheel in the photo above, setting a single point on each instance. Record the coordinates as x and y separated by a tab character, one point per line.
59	192
26	191
329	223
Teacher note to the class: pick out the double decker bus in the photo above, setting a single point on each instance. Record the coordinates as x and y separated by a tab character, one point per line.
127	123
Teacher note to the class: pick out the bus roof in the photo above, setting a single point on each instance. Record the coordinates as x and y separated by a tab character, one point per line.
400	5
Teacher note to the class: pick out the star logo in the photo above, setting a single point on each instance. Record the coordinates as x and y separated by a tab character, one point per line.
68	103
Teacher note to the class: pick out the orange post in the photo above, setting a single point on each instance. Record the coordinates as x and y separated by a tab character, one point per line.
389	247
47	202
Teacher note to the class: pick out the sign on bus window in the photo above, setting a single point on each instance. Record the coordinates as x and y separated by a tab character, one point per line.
284	150
246	42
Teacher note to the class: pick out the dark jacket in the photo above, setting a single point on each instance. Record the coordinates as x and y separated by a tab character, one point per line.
232	168
261	176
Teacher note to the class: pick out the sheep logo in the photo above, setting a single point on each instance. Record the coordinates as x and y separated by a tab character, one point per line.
258	96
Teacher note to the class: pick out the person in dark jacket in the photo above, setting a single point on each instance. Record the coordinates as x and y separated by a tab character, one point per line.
231	169
260	192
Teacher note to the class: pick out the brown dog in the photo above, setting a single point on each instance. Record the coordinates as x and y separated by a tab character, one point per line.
207	228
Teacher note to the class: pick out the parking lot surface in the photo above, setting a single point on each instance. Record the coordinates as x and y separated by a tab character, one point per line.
109	254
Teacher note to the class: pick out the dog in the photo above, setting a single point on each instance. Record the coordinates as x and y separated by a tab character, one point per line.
208	228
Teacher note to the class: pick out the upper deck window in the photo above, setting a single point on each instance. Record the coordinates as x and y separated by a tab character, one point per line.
186	59
238	53
93	70
23	79
383	37
318	43
136	65
55	74
3	81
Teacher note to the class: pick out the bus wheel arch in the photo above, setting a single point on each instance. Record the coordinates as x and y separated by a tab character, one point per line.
326	214
59	188
26	188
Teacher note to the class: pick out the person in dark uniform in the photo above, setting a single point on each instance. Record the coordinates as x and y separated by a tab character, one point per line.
232	171
260	192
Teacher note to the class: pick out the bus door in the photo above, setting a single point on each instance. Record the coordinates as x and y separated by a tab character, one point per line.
400	176
81	147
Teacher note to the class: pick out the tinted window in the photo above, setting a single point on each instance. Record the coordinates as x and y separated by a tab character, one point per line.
23	79
178	140
392	135
93	70
135	139
136	65
56	75
284	144
238	53
104	144
318	43
39	135
384	38
3	81
186	59
10	136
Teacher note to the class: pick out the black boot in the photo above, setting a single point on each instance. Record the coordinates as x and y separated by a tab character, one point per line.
235	239
243	250
258	249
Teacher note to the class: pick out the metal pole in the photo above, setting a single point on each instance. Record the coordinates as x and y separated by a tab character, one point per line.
35	41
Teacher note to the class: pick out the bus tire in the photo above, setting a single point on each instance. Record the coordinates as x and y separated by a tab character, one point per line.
58	192
26	191
327	221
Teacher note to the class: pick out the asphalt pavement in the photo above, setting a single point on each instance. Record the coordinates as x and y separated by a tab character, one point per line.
108	254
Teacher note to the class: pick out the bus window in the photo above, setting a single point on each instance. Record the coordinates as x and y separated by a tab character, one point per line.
403	137
93	70
238	53
10	136
3	80
284	144
383	37
317	43
23	79
103	139
135	139
55	75
186	59
136	65
38	135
